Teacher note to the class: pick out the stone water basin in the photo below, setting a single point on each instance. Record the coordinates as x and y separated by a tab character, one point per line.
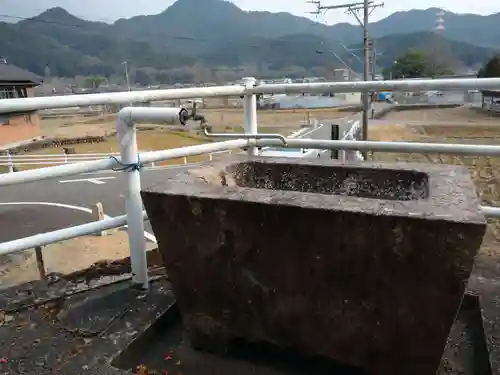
365	264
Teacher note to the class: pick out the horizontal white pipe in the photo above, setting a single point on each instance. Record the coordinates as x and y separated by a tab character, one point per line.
167	115
42	157
48	238
57	171
395	85
153	156
69	160
55	159
59	155
205	148
108	163
38	162
52	102
445	148
490	211
416	147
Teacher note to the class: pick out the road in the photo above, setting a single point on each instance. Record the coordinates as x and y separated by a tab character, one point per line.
43	206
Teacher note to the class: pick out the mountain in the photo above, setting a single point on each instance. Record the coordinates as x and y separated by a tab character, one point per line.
195	25
193	35
206	21
72	46
468	28
308	50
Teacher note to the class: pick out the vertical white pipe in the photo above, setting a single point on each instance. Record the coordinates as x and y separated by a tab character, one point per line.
129	155
250	112
10	164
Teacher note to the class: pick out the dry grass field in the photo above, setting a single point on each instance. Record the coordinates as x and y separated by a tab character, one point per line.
155	137
229	118
467	127
443	117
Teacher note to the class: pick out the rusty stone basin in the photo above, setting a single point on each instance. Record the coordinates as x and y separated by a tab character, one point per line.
365	264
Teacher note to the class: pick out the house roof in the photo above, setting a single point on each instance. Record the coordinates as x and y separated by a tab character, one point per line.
12	74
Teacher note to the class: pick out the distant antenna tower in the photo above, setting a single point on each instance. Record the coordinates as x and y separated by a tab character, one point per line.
439	22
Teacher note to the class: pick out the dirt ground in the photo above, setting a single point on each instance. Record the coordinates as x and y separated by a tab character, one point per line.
468	127
442	116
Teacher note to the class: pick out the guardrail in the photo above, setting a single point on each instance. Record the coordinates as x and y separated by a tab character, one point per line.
130	161
13	161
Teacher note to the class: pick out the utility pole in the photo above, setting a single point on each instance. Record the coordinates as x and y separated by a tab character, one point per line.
373	59
353	8
366	68
126	74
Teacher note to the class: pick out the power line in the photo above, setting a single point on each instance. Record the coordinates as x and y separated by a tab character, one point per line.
354	9
38	20
175	37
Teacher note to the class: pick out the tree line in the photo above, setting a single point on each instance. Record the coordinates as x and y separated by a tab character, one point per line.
419	64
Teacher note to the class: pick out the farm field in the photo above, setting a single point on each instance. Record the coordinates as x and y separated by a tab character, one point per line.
156	137
227	119
467	128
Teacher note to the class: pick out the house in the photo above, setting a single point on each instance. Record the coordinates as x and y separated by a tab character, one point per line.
15	82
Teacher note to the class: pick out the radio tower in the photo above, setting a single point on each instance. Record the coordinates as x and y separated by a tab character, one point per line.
439	22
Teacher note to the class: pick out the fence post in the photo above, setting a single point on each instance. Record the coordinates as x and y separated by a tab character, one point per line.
250	113
97	215
39	262
210	157
185	160
10	163
343	153
153	163
127	136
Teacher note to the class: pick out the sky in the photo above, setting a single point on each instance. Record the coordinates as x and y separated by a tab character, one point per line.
110	10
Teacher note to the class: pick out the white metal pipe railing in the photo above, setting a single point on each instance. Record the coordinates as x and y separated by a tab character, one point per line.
48	238
101	154
129	158
250	112
33	104
394	85
154	156
411	147
97	165
53	102
50	160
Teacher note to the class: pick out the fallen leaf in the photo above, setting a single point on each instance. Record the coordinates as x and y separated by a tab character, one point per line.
168	358
178	363
142	370
3	361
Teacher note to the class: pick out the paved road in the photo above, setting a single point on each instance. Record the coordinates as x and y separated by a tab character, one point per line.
43	206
